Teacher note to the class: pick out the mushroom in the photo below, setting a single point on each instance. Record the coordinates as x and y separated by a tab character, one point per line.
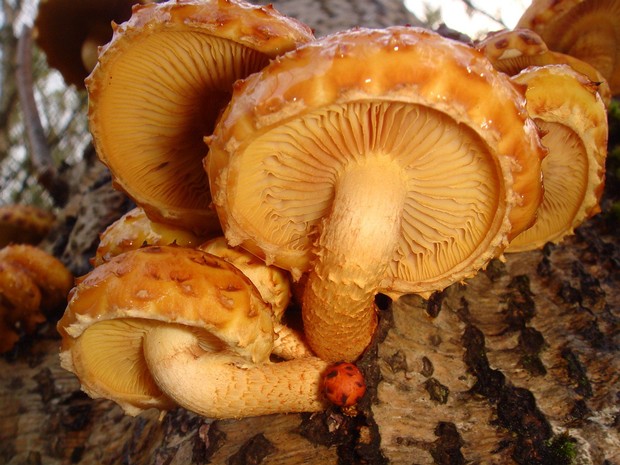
134	229
391	161
511	51
25	224
32	282
566	106
70	32
586	29
160	326
159	86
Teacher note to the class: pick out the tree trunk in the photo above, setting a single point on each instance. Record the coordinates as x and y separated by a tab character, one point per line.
518	365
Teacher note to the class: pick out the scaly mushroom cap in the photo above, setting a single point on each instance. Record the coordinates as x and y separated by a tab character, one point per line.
24	224
380	160
134	230
573	118
70	31
117	303
585	29
272	283
159	86
511	51
160	326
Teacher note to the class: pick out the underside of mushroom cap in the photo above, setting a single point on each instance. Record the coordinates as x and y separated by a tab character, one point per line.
159	86
586	29
456	129
573	118
112	308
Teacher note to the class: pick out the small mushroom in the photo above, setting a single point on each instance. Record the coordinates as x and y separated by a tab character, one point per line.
566	106
392	161
160	326
69	33
585	29
32	283
159	86
134	229
24	224
511	51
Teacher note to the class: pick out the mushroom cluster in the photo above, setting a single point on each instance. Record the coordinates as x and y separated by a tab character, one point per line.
265	163
33	283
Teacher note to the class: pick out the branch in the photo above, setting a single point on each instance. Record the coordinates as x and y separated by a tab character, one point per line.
469	4
40	154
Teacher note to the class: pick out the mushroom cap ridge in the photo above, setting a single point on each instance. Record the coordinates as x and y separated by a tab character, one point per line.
400	64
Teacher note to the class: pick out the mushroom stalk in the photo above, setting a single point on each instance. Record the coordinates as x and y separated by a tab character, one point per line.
226	385
356	245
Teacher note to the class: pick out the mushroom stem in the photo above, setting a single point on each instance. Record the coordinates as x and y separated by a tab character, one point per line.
356	245
224	384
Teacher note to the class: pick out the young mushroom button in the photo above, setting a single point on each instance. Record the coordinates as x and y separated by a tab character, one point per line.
391	161
159	86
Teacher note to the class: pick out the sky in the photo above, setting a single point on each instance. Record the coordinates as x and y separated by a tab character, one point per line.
455	16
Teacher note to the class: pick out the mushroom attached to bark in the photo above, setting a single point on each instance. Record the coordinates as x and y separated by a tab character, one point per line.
511	51
586	29
566	106
24	224
32	283
391	161
159	86
69	32
159	326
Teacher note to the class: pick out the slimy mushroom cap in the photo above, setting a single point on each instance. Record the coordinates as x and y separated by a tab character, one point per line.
159	86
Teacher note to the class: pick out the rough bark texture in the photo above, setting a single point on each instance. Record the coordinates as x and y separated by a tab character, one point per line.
517	366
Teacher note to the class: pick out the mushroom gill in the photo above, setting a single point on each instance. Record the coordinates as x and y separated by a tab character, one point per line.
158	88
573	120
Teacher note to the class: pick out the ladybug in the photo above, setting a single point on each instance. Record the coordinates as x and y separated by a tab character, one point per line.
343	384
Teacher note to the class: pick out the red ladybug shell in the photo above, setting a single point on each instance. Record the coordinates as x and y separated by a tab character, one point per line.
343	384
